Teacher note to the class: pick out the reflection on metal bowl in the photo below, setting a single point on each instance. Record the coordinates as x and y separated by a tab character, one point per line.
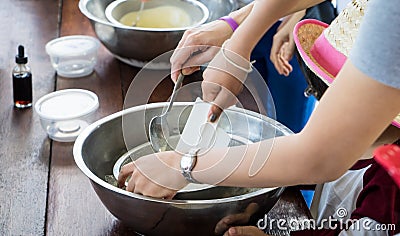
191	213
134	44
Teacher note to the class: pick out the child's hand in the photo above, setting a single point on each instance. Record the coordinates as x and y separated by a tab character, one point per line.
285	55
283	45
237	219
244	231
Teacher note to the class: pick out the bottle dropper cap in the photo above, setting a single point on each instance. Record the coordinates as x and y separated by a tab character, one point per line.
21	58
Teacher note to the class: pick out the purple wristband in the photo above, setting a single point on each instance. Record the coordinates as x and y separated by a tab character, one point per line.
231	22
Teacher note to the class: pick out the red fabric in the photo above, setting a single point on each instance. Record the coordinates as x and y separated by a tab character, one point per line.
379	199
388	156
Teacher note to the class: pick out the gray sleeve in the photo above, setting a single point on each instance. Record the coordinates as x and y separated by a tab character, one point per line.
376	51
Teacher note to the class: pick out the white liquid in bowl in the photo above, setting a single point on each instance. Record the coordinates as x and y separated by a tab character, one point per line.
158	17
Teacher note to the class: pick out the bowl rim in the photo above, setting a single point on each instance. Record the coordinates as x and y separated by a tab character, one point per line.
94	126
83	8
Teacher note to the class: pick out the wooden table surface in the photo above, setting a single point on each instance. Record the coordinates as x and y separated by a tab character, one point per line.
42	192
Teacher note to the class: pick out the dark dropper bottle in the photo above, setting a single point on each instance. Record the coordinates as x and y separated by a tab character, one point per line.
22	80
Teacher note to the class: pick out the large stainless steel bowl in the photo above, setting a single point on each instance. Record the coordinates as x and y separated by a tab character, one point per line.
136	45
100	145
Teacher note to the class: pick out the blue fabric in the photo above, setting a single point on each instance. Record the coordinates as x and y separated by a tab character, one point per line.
308	196
292	107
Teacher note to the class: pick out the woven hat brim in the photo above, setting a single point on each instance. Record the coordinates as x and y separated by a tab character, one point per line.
306	33
396	121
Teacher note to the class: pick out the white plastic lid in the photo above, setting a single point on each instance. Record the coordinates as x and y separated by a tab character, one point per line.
64	112
74	45
67	104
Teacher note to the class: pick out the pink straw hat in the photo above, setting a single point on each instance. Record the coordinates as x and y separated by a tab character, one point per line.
325	48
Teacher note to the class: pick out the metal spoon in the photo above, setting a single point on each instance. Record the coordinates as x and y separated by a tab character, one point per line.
158	127
139	13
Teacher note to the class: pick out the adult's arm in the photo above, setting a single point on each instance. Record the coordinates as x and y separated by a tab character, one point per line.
199	45
263	14
354	111
255	21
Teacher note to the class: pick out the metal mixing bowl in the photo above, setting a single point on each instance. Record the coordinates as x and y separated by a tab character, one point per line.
100	145
136	45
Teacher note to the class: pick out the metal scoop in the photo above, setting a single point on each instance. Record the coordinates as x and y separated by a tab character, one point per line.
139	13
158	127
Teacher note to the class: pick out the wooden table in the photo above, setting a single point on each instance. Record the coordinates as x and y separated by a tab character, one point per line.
42	192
